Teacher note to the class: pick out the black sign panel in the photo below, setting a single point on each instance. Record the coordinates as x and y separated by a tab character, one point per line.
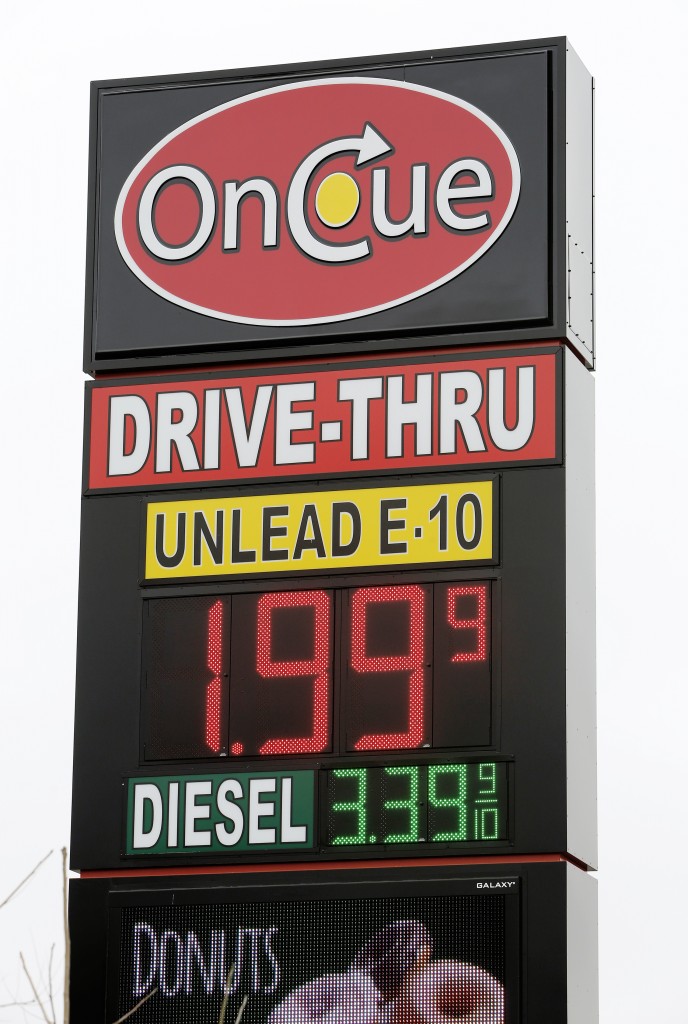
367	714
382	201
488	943
368	709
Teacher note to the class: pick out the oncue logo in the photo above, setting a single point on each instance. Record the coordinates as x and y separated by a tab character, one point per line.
317	201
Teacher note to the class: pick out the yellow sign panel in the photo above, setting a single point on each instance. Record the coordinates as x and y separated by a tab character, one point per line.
305	531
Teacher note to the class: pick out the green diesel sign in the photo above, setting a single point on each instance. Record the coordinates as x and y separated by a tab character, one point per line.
212	813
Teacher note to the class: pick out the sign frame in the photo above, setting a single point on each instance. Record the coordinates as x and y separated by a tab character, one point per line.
552	939
570	304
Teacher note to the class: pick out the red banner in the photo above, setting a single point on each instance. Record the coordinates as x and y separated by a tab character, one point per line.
445	413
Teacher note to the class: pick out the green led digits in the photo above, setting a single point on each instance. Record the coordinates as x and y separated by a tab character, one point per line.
456	801
418	803
358	806
409	803
486	813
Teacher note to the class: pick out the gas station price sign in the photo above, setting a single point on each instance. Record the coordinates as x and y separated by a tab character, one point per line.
349	668
336	596
345	681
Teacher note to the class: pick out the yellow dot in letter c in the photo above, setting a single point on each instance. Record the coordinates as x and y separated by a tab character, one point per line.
337	199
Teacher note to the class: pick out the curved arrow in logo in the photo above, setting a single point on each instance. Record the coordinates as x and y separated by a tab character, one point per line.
369	146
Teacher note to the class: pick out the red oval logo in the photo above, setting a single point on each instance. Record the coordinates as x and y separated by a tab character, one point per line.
317	202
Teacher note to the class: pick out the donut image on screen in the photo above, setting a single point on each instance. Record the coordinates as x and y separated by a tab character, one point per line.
393	980
446	958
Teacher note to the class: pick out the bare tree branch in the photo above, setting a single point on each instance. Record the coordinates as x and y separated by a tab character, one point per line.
67	941
240	1014
228	985
223	1008
25	880
135	1008
50	981
34	989
30	1012
7	1006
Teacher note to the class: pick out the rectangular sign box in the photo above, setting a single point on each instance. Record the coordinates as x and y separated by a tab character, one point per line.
516	942
429	678
241	811
313	531
405	200
377	806
461	410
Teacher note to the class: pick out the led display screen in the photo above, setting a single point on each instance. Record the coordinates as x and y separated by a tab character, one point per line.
450	943
415	959
316	672
439	803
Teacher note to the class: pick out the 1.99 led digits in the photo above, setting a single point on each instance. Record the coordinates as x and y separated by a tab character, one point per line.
256	675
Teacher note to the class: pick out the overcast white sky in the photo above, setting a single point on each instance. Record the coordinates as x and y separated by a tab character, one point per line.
48	54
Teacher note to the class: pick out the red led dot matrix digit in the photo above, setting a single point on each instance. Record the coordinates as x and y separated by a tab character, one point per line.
213	699
412	662
318	666
479	623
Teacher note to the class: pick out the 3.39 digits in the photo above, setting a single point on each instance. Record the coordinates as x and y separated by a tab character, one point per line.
436	803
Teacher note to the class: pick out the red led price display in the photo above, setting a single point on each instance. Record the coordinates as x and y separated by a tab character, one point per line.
314	672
